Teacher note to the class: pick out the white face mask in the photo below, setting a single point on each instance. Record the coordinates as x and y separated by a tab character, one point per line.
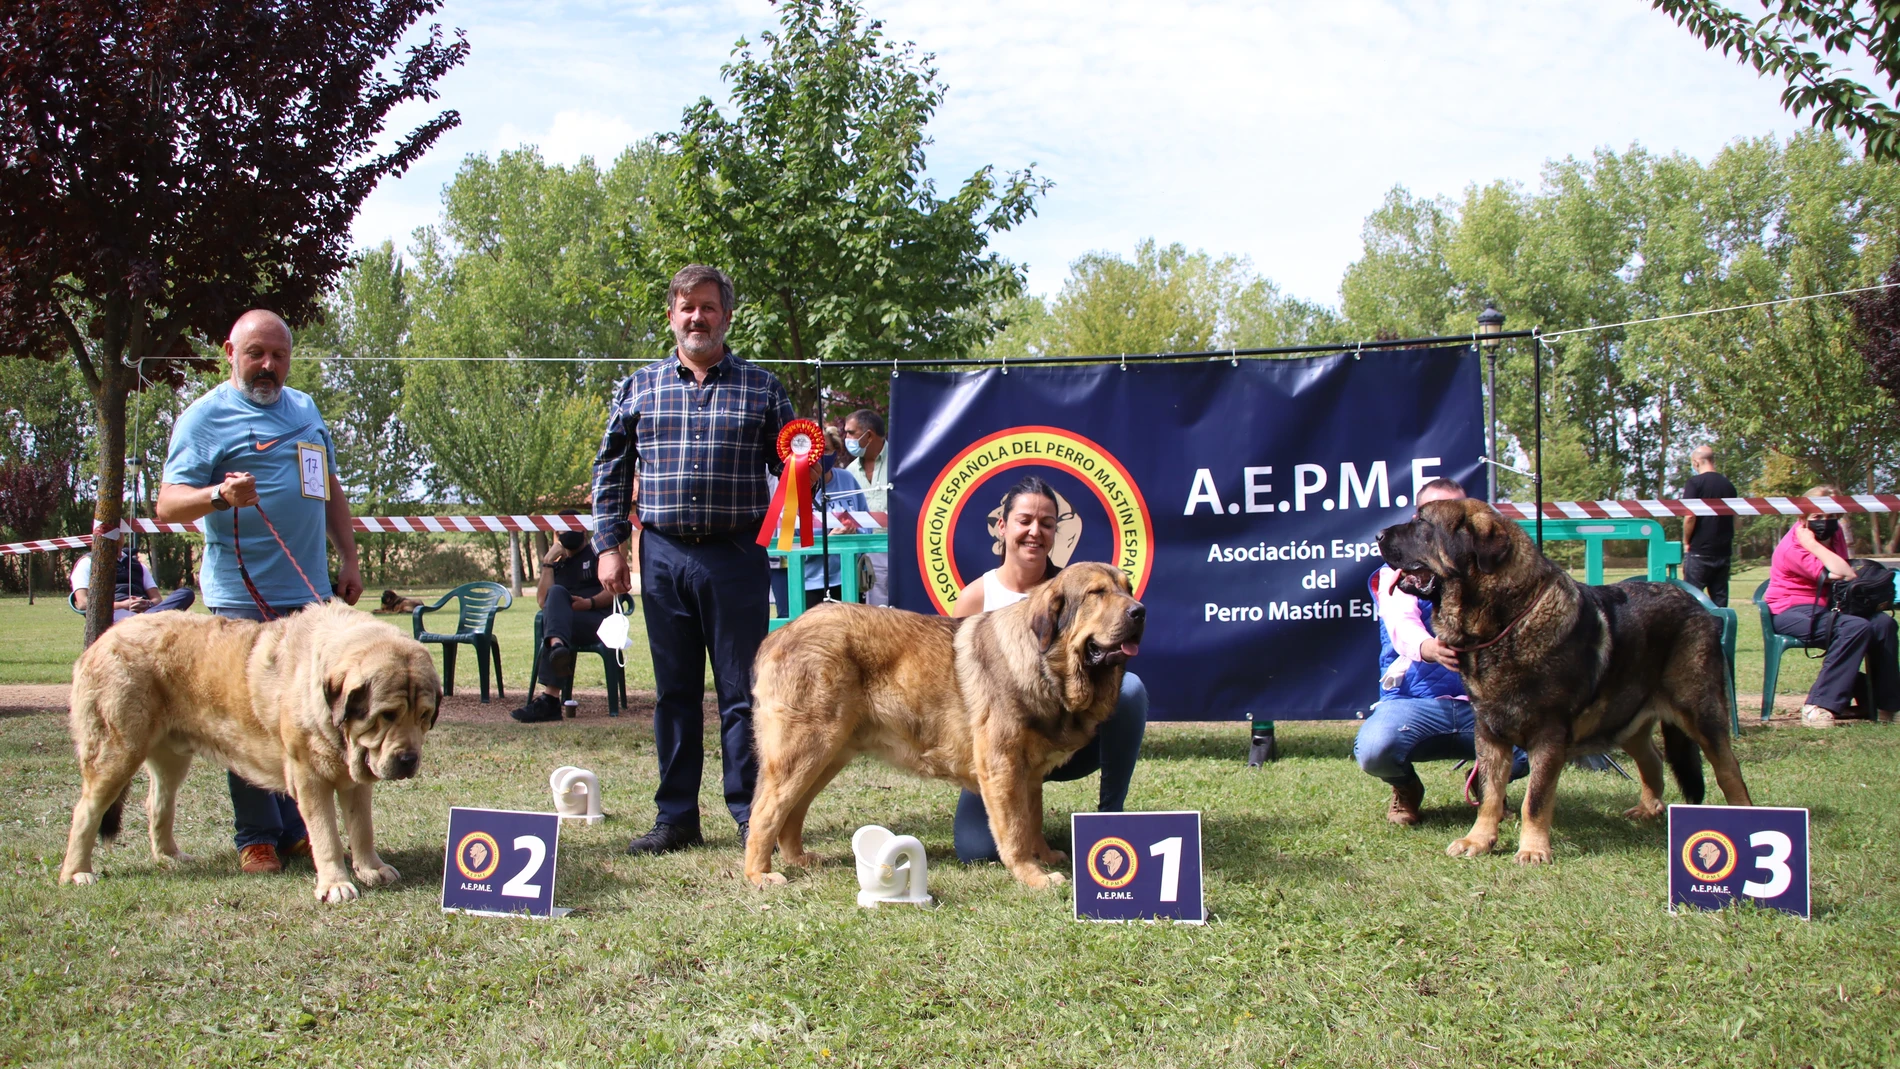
613	633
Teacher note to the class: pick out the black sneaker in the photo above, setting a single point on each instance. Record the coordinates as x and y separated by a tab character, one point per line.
664	839
541	709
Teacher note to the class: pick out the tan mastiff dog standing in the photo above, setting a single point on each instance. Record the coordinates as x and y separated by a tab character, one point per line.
320	704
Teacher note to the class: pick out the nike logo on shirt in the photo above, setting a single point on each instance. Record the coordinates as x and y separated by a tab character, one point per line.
261	446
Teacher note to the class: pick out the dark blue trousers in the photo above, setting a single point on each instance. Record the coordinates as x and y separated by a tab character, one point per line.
261	816
703	598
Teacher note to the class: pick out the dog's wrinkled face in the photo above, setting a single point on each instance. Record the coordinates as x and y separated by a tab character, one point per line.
383	698
1089	610
1447	540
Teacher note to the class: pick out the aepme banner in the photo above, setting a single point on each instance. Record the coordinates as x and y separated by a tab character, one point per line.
1240	497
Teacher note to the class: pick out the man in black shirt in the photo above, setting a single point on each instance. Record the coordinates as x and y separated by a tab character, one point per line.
1707	541
572	604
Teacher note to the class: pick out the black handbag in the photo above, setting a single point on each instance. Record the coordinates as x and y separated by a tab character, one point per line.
1871	590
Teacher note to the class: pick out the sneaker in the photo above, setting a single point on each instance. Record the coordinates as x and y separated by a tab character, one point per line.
1816	717
259	859
541	709
560	666
298	849
664	839
1406	798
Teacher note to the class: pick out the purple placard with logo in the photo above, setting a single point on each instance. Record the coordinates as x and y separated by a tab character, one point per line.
500	862
1721	853
1137	866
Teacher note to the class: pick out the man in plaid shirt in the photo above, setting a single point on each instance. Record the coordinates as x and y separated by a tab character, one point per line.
701	429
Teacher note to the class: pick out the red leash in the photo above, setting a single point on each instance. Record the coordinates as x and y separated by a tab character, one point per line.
245	573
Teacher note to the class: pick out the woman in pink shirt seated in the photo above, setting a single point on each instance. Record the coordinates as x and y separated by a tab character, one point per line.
1813	553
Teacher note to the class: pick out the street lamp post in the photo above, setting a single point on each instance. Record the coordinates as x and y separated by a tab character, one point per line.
1490	325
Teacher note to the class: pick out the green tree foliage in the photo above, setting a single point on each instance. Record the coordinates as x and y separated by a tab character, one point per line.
1799	43
1629	236
812	196
1164	300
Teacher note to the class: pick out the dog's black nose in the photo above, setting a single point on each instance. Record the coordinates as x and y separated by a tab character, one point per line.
407	761
1138	612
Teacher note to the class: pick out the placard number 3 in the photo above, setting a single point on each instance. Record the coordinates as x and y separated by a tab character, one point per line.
537	849
1780	848
1169	851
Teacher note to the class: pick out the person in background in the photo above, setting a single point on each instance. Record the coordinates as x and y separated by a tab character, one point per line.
871	463
1708	541
129	598
255	447
841	492
1029	529
1423	712
572	606
1812	553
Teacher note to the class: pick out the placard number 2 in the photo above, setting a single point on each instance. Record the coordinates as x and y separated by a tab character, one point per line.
1169	851
1780	848
537	849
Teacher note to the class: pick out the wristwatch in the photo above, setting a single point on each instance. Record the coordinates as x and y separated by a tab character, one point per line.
217	499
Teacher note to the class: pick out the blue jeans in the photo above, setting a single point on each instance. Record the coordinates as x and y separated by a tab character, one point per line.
177	600
1403	730
1114	750
260	816
701	598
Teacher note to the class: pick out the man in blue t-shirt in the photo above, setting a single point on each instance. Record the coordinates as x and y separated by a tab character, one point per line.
254	460
1423	712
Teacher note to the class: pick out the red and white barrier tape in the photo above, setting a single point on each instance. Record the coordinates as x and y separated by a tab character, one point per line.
364	524
1713	506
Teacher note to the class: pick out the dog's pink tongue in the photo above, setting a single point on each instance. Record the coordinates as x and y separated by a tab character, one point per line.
1131	648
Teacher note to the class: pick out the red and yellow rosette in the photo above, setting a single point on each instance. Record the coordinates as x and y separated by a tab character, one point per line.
800	443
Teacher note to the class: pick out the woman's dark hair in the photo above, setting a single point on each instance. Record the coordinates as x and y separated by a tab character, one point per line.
1029	484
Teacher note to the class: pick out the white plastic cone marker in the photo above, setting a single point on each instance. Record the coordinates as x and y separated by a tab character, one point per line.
576	794
890	868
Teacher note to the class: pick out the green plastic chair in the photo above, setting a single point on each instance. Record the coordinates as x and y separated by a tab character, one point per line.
72	602
1731	623
616	675
1773	645
476	606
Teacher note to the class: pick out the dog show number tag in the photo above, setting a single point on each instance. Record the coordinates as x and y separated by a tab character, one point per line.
1720	854
1137	866
500	863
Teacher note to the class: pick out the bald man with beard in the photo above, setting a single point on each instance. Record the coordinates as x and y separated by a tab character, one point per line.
254	443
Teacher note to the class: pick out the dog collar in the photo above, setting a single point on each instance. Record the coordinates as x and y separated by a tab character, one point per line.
1507	627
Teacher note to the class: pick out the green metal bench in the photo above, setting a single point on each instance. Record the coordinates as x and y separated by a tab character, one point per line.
847	548
1663	554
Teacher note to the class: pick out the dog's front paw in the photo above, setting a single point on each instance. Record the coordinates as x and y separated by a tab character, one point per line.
378	876
174	860
1054	857
1645	810
81	878
340	891
1470	846
807	860
1533	855
767	879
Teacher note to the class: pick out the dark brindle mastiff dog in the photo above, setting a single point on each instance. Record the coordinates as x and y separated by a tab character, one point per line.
1562	669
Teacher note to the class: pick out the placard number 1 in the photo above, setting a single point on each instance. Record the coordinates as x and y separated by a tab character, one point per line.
519	887
1169	851
1780	848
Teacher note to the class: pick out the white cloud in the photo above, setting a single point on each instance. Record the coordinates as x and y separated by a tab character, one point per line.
1264	129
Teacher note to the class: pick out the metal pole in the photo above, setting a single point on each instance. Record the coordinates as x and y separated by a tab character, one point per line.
824	503
1492	405
1537	424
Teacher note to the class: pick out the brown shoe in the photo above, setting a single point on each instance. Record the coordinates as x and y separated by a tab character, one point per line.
1406	798
259	859
298	849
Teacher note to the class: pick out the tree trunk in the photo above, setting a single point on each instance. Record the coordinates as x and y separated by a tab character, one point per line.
109	510
30	557
514	563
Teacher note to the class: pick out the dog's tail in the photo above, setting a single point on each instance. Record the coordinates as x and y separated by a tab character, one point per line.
1685	760
115	813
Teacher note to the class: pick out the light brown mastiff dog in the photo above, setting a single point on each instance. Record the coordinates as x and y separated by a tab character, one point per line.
320	704
993	702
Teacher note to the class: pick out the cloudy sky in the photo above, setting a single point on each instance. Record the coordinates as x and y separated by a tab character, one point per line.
1268	130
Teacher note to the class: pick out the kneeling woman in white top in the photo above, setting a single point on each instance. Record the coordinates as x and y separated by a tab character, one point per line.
1029	529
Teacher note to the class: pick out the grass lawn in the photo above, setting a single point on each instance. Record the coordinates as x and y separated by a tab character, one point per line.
1336	939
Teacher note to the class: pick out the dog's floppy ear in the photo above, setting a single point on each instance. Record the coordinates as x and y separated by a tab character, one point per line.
1490	542
345	702
1049	618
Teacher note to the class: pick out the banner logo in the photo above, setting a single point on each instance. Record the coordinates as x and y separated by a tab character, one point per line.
1709	856
1131	530
1112	862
